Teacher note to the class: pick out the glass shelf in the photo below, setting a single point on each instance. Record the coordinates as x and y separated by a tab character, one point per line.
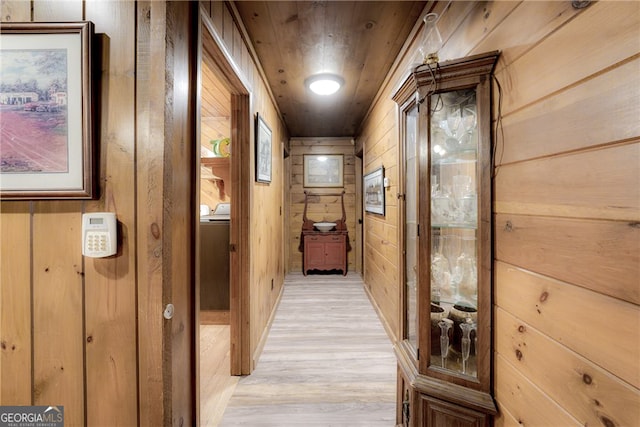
470	225
460	157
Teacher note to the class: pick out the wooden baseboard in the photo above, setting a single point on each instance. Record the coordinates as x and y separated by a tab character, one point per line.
265	332
214	317
378	310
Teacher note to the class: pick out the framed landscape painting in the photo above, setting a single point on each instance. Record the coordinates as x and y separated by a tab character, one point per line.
46	144
374	192
323	170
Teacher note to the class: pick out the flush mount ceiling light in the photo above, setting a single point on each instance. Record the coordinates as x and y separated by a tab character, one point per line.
324	84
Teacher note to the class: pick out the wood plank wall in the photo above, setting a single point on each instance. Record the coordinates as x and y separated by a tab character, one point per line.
150	39
323	208
69	327
88	334
566	203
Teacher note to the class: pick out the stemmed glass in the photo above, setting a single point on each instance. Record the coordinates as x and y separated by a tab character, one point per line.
440	271
451	250
445	325
469	123
441	205
466	327
454	119
466	272
463	193
462	186
451	125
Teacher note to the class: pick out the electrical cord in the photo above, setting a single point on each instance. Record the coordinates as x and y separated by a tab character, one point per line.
498	127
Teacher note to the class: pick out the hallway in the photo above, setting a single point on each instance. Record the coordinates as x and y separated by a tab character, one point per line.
327	361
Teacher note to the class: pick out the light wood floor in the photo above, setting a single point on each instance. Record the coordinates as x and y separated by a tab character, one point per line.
327	362
216	385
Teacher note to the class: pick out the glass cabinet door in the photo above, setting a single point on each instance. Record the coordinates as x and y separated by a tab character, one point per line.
453	171
411	213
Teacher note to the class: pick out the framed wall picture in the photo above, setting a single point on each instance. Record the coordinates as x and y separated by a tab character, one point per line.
46	143
374	191
263	150
323	170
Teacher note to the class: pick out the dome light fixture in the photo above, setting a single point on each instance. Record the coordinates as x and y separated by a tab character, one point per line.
324	84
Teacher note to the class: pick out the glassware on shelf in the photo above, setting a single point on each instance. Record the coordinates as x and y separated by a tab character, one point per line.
469	124
442	208
445	326
451	144
440	270
451	251
465	273
434	185
465	200
462	186
466	328
454	126
475	344
458	314
462	190
469	118
454	203
453	120
454	216
468	209
438	312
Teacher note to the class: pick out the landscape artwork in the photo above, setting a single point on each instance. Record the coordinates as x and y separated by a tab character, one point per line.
323	170
46	111
374	200
33	108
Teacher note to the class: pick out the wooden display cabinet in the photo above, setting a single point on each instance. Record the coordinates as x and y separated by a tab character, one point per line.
444	356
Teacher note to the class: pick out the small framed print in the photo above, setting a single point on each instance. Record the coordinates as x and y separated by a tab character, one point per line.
263	151
374	191
323	170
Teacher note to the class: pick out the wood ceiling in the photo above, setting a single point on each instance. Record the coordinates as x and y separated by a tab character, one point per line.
358	40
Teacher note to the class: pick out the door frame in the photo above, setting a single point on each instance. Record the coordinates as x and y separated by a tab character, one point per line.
359	255
211	41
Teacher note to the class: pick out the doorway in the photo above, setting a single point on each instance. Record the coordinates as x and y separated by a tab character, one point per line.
222	166
215	379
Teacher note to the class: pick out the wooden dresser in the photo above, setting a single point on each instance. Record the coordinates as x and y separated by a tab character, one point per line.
324	251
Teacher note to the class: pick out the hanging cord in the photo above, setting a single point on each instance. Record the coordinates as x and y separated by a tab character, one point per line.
433	87
439	104
497	158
